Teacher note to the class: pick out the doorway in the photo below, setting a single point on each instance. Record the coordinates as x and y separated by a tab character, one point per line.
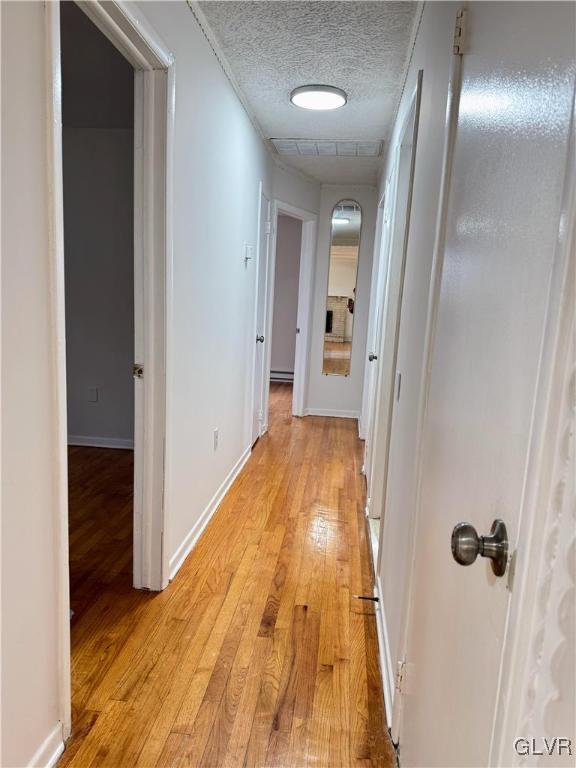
273	229
285	310
98	186
140	482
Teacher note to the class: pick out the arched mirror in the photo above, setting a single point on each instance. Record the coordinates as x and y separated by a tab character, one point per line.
341	297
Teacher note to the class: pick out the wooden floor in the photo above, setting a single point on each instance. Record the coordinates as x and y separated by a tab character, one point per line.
100	514
337	357
257	654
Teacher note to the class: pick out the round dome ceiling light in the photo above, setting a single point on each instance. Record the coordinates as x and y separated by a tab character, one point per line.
319	97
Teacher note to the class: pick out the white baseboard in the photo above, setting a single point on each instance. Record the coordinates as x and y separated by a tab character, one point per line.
334	413
385	657
101	442
195	532
48	753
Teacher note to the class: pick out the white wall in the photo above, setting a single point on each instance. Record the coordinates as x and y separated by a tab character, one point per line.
97	144
341	395
342	277
29	520
219	161
294	188
286	274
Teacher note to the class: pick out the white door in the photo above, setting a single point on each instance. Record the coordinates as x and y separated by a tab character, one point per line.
502	222
260	339
394	245
373	341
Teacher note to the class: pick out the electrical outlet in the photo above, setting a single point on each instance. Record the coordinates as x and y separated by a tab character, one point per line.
92	394
215	439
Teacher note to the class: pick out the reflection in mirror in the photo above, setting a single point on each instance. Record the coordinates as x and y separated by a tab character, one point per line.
344	244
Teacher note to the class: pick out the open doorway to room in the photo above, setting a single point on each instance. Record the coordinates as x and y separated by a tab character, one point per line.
98	185
112	100
283	307
285	310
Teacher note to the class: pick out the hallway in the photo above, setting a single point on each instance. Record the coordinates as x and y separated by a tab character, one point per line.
257	654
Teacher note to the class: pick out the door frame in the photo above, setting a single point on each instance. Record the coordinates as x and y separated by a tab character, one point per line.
154	96
305	292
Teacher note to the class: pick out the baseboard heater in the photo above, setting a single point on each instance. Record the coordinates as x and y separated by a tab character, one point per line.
281	375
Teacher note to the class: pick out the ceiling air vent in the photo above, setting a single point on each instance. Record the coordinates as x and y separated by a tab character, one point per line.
325	148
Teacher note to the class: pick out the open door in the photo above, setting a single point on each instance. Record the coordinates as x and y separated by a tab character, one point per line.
264	227
374	340
498	293
395	233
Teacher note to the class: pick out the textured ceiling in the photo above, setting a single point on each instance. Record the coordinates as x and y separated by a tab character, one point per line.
273	47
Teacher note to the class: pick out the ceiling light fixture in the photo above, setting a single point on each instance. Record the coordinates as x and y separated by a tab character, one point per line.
340	221
318	97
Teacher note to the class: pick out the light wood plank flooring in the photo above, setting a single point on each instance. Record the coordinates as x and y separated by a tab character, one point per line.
257	654
337	355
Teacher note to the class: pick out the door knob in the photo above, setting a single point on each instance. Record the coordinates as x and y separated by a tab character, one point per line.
372	357
467	545
260	339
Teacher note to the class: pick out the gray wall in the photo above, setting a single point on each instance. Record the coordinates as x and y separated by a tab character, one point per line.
98	114
288	244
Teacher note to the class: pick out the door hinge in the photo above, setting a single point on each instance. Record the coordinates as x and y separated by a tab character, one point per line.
138	370
460	32
400	676
268	228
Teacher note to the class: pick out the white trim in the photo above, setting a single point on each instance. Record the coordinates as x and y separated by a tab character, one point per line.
191	538
49	752
101	442
304	314
332	413
386	668
129	31
57	307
